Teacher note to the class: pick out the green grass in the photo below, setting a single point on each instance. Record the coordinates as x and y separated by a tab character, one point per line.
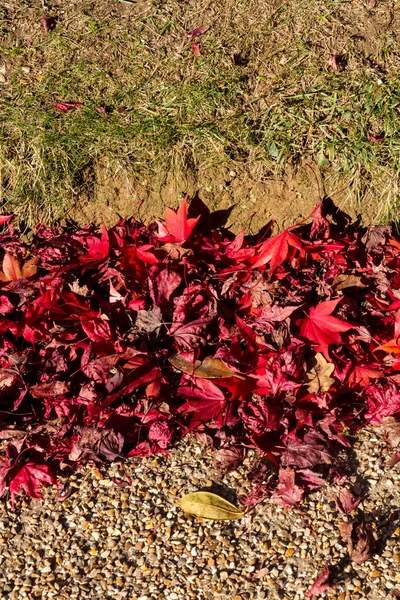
279	103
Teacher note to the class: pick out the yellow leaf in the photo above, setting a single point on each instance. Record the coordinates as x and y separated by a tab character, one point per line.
209	368
210	506
11	268
319	374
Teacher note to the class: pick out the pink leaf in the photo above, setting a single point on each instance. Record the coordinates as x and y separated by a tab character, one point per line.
376	138
66	106
333	60
321	583
196	48
198	31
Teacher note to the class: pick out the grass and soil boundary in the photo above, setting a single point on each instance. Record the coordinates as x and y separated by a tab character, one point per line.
282	92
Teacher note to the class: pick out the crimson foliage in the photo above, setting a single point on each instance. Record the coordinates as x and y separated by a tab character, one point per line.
119	344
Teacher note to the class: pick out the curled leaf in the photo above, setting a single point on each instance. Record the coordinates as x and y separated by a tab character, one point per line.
5	219
376	138
66	106
198	31
392	429
334	62
210	506
48	23
196	48
321	583
209	368
360	540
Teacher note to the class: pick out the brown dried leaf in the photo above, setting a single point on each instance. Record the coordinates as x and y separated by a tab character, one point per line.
359	540
209	368
319	374
343	281
375	237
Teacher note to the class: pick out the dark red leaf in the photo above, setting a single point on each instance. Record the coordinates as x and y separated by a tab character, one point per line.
230	458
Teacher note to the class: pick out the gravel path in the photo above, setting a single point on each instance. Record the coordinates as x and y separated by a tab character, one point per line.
111	542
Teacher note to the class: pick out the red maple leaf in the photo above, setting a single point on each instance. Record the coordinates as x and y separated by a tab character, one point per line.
177	227
277	249
98	248
29	478
322	328
361	375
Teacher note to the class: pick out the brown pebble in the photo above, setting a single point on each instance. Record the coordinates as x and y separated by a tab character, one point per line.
289	552
376	574
396	558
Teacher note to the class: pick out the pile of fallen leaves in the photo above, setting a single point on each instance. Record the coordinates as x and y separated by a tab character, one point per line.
119	344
